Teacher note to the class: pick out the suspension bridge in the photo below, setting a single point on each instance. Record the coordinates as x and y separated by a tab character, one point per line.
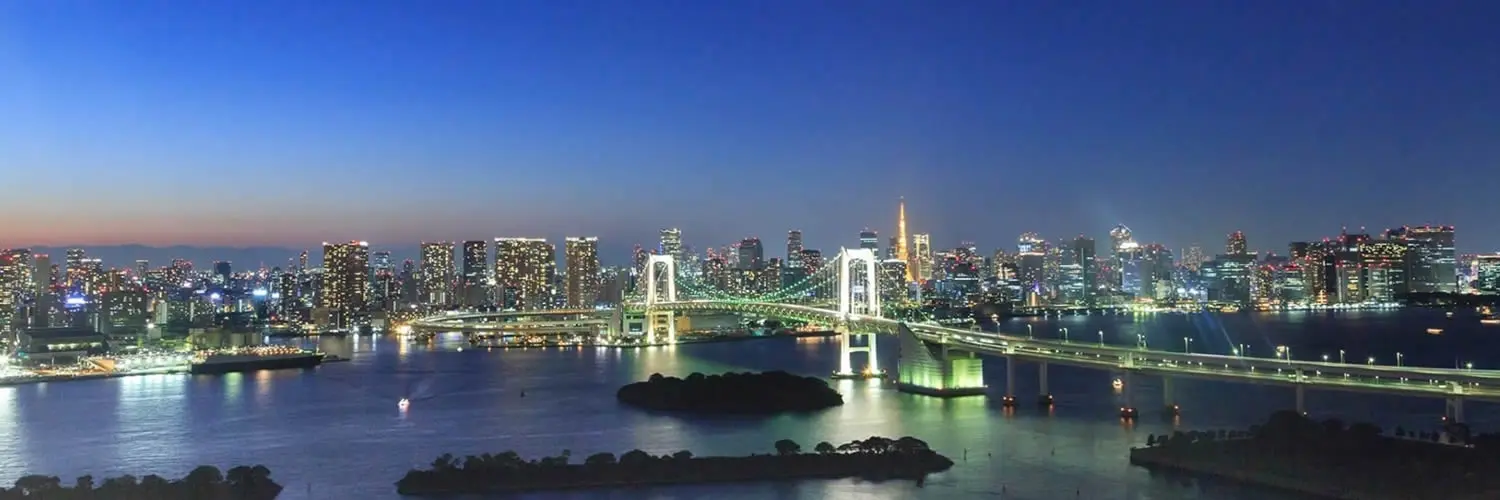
947	361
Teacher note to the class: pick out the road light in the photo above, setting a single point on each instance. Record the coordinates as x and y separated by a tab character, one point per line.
1371	362
1325	358
1187	345
1101	338
1398	360
1065	334
1028	330
1469	366
1341	356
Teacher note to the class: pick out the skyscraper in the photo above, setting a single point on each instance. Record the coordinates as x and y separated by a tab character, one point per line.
901	252
1431	266
525	269
752	254
437	273
921	247
346	274
794	249
1236	245
1083	257
474	273
582	256
869	239
671	242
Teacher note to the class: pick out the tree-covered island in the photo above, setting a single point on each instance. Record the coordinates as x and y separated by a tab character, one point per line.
875	458
1330	459
204	483
743	393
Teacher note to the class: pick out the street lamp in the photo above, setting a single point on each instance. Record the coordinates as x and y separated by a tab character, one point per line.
1028	330
1325	358
1469	366
1065	334
1186	345
1398	360
1341	356
1101	338
1371	362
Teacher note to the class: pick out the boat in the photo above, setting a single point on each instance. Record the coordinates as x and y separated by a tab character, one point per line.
252	359
403	404
1117	384
1487	316
1434	331
1449	314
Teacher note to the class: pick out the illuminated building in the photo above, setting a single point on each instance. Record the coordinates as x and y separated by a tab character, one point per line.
582	256
1030	251
124	314
1431	266
437	273
1487	273
384	288
89	277
921	256
869	239
716	271
474	274
16	273
222	272
74	261
890	248
525	270
43	273
752	255
1383	275
1088	267
142	268
346	275
794	249
671	242
901	250
1193	258
1156	272
1236	244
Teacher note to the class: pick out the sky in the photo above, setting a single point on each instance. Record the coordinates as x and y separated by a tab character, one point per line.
288	123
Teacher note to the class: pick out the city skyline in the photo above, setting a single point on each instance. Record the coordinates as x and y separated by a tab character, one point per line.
1046	116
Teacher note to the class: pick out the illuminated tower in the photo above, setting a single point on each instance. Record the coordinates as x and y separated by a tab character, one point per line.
901	253
525	269
346	281
582	256
437	273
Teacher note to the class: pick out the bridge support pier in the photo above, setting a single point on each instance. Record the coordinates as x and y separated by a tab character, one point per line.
1454	411
933	369
656	321
1169	398
1128	411
1009	401
1301	399
1045	398
846	354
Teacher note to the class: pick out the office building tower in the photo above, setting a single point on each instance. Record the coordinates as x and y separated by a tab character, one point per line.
437	273
870	240
222	272
893	281
43	273
751	254
525	270
1193	258
1120	238
1431	266
1487	273
1236	244
582	256
1383	265
1088	268
671	242
890	249
794	249
142	267
474	274
346	274
921	255
74	261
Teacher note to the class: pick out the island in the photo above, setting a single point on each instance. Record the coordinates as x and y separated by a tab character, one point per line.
1329	459
204	483
875	458
742	393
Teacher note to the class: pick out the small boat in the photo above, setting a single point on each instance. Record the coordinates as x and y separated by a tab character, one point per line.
1449	314
404	404
1434	331
1117	384
1490	320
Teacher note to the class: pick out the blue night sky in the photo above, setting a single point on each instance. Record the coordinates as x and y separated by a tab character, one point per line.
287	123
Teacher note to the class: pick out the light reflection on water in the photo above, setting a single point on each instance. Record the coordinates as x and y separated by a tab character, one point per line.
338	427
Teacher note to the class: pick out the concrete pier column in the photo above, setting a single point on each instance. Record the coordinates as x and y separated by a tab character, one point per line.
1010	381
1301	399
1045	398
1169	397
1128	411
1455	410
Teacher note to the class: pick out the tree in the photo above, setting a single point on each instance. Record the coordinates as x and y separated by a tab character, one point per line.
788	447
35	484
683	455
908	444
825	448
1150	440
443	462
634	458
84	483
600	459
655	378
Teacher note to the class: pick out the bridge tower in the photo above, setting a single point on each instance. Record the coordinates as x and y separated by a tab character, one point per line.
850	306
932	368
659	319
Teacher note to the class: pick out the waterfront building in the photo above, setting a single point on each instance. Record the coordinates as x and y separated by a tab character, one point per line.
1431	266
474	274
345	291
1487	273
1383	270
436	281
582	255
525	272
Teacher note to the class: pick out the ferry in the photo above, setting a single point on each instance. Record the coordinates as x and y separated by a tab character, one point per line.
403	404
252	359
1487	316
1117	384
1434	331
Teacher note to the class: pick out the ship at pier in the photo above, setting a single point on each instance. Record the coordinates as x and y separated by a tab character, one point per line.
253	359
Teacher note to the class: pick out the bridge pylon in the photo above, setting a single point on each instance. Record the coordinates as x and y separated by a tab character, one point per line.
850	307
661	320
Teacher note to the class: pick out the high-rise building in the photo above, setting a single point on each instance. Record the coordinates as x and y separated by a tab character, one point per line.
474	274
525	270
142	267
346	274
1083	255
222	271
75	257
752	254
43	273
921	254
1383	275
901	250
1487	273
1431	266
671	242
437	273
890	250
794	249
1236	244
582	256
869	239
